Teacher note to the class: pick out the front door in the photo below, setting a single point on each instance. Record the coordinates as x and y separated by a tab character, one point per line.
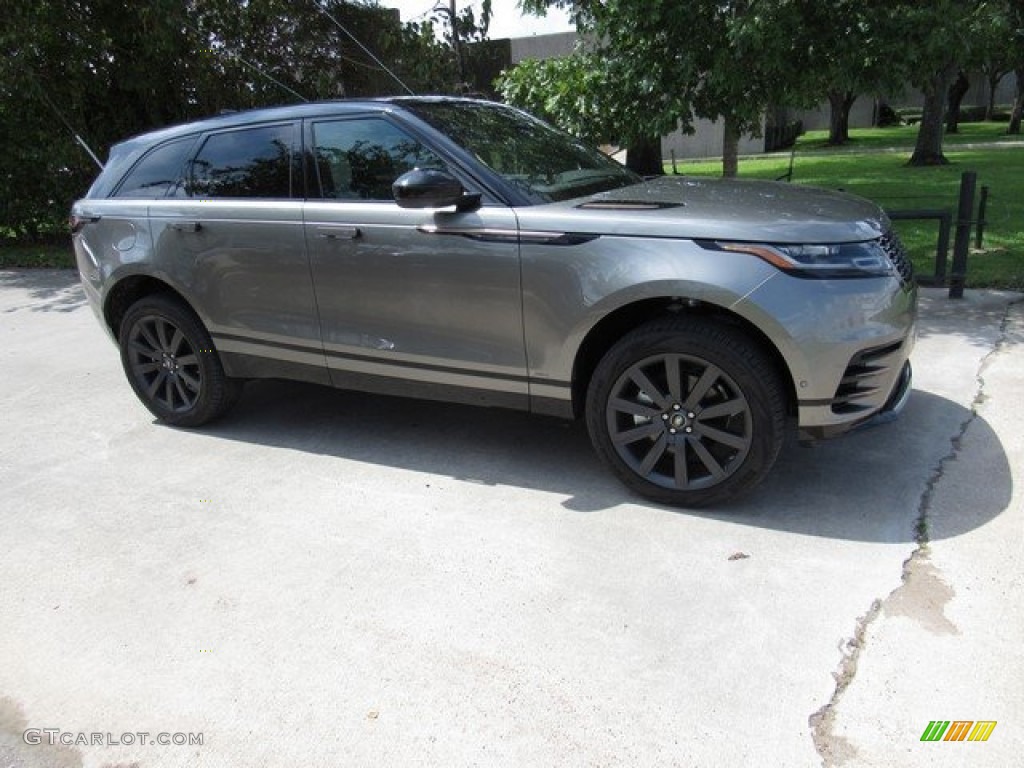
410	301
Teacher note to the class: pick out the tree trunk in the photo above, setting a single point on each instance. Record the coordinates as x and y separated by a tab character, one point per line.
839	116
928	148
1018	103
957	91
460	64
644	157
730	149
993	82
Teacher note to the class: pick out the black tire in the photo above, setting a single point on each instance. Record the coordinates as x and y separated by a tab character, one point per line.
686	412
170	362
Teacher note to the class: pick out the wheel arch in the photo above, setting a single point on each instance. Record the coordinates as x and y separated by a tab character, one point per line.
624	319
128	290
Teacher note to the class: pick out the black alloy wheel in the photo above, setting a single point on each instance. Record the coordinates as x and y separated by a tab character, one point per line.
686	412
170	362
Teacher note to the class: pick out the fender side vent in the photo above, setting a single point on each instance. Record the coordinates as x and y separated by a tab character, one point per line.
626	205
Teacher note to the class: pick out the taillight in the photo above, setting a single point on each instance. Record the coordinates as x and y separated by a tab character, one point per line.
77	222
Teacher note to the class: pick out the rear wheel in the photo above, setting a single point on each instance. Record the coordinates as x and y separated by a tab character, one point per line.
170	362
686	412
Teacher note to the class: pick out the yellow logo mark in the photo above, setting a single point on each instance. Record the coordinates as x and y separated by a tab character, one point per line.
982	730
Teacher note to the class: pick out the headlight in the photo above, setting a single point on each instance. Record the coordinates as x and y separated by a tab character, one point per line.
833	260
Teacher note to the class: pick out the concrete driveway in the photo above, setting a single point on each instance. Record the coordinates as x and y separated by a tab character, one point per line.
329	578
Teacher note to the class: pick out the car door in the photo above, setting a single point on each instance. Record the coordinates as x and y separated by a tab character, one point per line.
231	233
418	302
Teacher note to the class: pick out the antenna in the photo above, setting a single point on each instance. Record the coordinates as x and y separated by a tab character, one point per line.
92	154
366	50
78	139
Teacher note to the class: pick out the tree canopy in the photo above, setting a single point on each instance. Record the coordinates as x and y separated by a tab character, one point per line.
106	69
853	47
113	69
651	67
663	65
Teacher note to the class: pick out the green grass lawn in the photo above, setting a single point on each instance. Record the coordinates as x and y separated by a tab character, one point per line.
904	136
884	177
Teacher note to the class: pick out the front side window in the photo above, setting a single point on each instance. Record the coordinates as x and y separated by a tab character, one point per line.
254	162
360	159
545	163
157	172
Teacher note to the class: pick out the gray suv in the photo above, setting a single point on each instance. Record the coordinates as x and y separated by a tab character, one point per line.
463	250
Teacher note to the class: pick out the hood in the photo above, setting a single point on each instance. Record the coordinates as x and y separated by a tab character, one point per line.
715	209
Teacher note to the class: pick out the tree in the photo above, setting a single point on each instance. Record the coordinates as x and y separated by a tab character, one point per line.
996	49
1018	104
871	45
570	91
579	93
275	49
75	67
112	69
463	28
853	43
955	97
666	64
937	39
1016	18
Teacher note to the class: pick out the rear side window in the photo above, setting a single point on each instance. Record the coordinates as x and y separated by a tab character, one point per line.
254	162
157	172
359	159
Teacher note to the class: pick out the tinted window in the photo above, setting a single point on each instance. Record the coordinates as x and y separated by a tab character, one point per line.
545	163
256	162
360	159
157	172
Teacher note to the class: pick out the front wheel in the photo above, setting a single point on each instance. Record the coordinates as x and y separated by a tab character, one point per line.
170	362
686	412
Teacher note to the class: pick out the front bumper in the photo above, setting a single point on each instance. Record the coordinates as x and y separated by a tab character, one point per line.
894	405
846	344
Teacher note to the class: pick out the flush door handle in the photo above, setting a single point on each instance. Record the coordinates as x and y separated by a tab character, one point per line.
338	233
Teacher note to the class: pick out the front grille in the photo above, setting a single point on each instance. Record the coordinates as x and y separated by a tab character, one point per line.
866	371
897	254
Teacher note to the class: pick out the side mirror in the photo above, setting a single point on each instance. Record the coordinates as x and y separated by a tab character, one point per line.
429	188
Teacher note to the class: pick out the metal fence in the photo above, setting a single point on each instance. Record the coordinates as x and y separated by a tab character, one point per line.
960	227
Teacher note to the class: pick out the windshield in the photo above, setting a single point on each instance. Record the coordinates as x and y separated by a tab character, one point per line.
546	164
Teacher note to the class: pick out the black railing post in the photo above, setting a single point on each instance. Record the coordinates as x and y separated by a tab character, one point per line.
945	218
979	233
962	242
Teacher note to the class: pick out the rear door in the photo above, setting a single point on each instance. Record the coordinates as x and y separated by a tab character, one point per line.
231	233
415	302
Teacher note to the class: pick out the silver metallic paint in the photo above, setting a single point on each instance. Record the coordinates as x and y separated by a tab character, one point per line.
492	305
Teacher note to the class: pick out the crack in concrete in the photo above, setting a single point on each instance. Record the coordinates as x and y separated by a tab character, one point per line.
833	749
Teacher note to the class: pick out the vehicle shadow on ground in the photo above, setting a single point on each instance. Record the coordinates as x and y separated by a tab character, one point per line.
866	486
49	290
